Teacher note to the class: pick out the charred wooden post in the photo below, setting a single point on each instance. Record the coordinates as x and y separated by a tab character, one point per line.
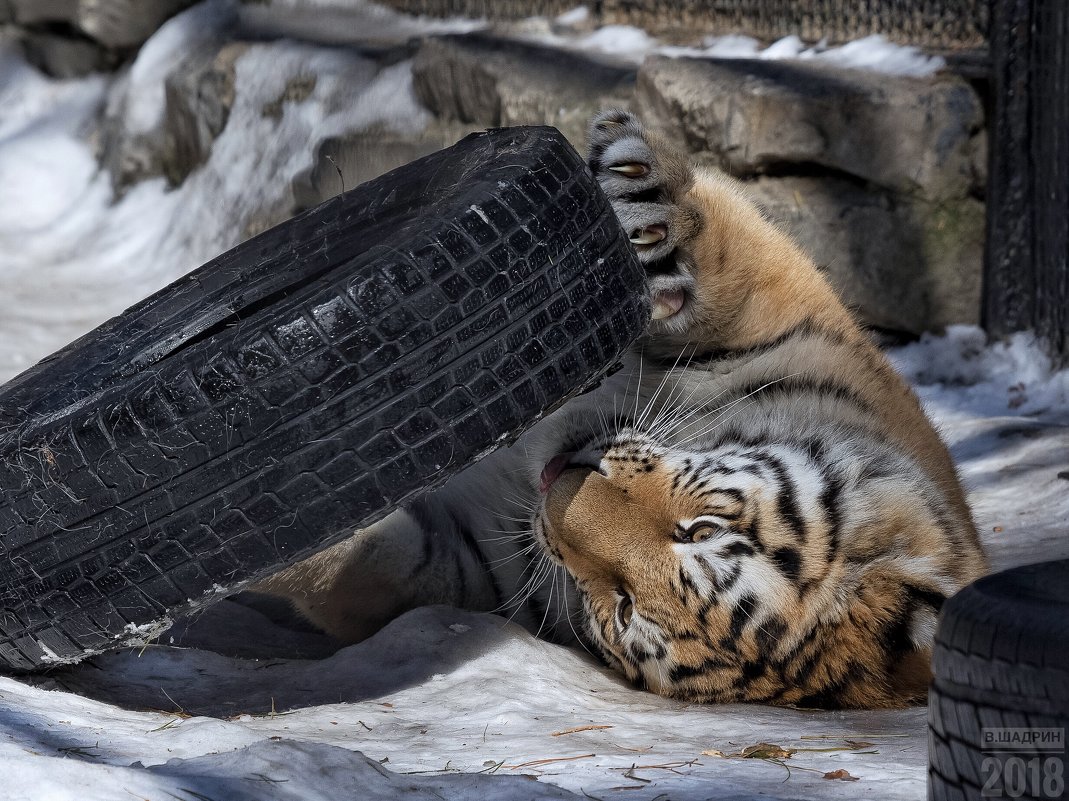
1026	276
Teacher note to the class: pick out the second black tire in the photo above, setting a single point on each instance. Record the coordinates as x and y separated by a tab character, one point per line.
998	708
301	385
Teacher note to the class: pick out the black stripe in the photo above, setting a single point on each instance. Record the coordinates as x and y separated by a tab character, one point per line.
770	388
680	672
786	500
741	614
893	637
806	327
807	641
420	512
687	587
739	548
651	195
769	634
829	500
472	544
732	492
703	610
830	696
752	532
752	669
597	150
789	562
925	595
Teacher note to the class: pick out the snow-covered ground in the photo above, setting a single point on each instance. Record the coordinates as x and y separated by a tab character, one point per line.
243	704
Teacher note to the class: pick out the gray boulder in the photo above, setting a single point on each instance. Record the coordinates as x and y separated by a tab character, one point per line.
908	265
62	56
198	94
199	97
916	136
342	162
485	81
112	23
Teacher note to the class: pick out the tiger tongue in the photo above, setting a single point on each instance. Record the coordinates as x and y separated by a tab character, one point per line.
551	472
667	303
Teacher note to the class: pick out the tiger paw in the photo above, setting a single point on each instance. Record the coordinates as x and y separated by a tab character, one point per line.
647	183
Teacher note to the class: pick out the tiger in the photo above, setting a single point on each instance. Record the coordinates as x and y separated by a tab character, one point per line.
755	508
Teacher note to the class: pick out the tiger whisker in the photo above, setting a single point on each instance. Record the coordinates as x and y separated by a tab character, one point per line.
717	421
538	577
668	374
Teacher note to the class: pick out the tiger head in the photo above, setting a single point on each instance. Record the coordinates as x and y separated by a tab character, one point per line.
745	572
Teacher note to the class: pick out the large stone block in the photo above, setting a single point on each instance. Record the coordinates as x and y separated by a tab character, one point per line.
913	135
63	56
482	80
112	23
904	264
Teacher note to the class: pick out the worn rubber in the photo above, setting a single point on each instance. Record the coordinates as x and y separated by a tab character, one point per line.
1001	660
303	384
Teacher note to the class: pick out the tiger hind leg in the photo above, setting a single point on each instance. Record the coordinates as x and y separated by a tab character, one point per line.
355	587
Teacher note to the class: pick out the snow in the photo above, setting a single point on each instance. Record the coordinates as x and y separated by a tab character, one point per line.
339	21
1013	377
103	254
245	703
172	42
573	17
874	53
623	39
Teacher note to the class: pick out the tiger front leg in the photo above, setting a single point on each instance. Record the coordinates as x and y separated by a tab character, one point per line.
649	185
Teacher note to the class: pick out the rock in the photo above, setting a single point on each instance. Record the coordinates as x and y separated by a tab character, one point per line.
904	264
113	23
913	135
346	161
480	80
63	56
198	92
199	97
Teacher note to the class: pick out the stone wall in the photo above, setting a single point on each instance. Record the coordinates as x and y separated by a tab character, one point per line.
73	37
881	178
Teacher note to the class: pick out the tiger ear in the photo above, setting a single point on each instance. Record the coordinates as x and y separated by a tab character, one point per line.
910	676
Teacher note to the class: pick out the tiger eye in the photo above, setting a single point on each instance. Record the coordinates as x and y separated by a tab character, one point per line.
624	610
700	532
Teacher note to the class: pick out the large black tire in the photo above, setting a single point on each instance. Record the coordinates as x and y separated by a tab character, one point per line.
301	385
1001	665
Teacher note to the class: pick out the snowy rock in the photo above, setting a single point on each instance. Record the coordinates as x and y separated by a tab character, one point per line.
173	100
481	80
753	116
905	264
199	97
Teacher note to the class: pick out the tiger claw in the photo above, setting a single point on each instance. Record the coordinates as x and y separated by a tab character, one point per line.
650	235
633	170
666	304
